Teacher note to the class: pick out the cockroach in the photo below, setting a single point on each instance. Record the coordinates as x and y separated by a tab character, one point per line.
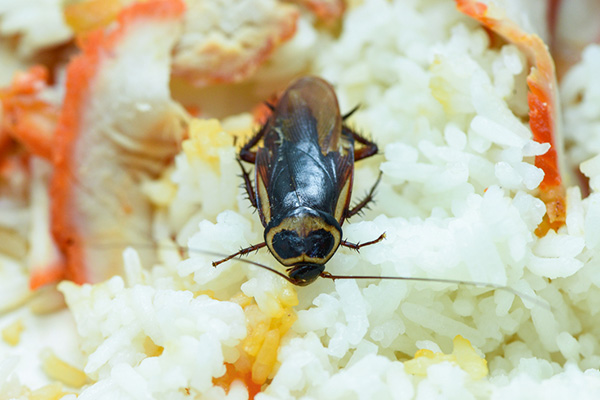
303	180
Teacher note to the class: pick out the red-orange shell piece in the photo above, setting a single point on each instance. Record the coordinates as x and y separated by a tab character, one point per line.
106	138
542	99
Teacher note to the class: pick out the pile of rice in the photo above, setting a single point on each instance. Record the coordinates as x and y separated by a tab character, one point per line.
457	201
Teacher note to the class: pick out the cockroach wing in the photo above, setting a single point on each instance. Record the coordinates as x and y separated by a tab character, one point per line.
262	184
307	159
310	102
344	170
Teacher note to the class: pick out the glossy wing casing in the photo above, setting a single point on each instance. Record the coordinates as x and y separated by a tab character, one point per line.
307	158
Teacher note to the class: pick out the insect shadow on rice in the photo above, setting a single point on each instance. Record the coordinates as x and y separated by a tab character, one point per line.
303	180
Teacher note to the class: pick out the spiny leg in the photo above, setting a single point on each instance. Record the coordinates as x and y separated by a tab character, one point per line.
248	185
368	148
368	198
358	246
349	113
246	153
242	252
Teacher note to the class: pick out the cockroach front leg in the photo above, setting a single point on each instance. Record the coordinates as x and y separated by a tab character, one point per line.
240	253
368	148
358	246
246	153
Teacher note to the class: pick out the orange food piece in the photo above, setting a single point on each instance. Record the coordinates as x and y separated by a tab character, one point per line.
26	117
234	374
222	40
543	103
266	357
107	139
5	141
46	275
258	351
31	121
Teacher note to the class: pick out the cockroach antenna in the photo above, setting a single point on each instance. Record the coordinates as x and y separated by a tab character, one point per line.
458	282
326	275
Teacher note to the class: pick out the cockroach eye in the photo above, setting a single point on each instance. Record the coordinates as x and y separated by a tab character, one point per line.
319	243
287	244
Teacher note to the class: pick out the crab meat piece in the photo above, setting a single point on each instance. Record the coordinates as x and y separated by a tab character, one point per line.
118	127
222	40
226	40
28	117
544	112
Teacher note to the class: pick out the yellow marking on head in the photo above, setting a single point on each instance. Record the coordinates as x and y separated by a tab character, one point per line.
303	225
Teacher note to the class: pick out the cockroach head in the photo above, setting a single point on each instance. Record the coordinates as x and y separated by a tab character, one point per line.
305	274
303	237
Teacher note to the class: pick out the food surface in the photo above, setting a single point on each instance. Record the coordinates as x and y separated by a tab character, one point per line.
118	142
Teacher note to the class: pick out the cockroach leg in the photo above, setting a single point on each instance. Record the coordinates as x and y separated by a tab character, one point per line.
358	246
368	149
246	154
349	113
364	202
240	253
248	185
